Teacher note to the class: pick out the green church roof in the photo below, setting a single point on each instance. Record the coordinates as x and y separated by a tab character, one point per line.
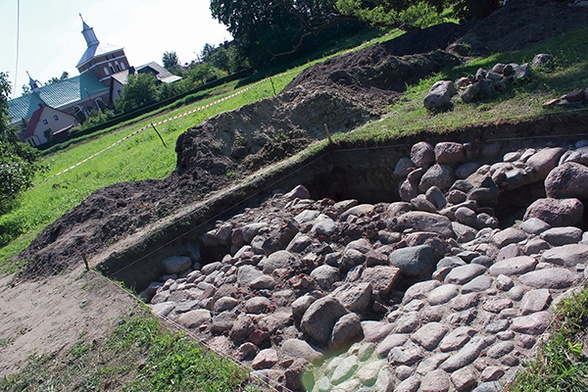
56	95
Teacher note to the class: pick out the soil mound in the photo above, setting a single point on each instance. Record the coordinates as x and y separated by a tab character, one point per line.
343	92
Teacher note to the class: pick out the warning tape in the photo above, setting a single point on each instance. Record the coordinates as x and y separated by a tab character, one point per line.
208	105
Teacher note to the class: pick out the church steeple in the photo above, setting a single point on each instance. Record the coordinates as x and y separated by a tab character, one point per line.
35	85
89	34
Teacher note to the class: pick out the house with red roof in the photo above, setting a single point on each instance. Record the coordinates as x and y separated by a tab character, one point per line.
48	124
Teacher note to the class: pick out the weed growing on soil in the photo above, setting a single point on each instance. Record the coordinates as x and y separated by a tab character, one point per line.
562	363
139	355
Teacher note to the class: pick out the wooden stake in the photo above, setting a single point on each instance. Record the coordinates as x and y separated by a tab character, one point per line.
86	262
273	87
328	134
158	134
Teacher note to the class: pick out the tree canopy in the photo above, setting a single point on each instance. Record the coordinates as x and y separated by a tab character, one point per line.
140	90
19	161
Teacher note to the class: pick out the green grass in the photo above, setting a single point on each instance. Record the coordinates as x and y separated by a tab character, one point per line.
561	364
139	355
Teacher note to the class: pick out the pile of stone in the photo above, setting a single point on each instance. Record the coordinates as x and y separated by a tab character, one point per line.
484	85
423	294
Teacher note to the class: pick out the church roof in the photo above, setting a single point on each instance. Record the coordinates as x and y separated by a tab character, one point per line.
97	50
56	95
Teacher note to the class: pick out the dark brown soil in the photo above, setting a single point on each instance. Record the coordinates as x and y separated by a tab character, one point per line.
343	93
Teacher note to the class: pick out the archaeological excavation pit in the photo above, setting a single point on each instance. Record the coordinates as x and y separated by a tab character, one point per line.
404	266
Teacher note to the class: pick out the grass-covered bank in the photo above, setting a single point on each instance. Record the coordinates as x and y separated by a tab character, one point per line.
139	355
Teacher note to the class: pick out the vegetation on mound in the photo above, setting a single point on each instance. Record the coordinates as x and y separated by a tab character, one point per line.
562	363
139	355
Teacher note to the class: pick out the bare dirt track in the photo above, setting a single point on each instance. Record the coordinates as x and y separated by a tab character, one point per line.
44	313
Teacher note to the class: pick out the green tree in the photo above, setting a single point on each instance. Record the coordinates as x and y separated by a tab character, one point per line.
19	161
266	30
170	60
140	90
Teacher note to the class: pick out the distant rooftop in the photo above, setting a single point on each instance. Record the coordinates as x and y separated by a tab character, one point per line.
56	95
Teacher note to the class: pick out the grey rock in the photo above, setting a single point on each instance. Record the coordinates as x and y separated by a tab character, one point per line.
296	348
265	359
464	379
467	354
250	231
346	331
463	232
242	328
176	264
477	284
222	322
280	259
431	363
436	197
403	167
491	386
429	335
499	350
439	96
545	160
300	305
504	282
263	282
456	338
443	294
497	326
492	373
533	324
162	309
326	227
515	266
385	381
449	153
540	59
225	303
508	252
407	354
466	170
569	180
403	372
516	293
420	203
361	209
320	317
496	305
325	276
353	297
408	322
257	305
551	278
425	222
422	154
417	261
299	243
411	384
567	255
382	278
408	190
439	175
299	192
368	374
535	301
391	341
484	260
451	262
246	274
536	246
580	155
463	274
435	381
508	236
420	290
344	370
534	226
196	319
558	236
556	212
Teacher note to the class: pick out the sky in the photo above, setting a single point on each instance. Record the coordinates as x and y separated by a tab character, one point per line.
51	40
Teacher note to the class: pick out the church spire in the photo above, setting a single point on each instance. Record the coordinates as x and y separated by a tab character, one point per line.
35	85
88	33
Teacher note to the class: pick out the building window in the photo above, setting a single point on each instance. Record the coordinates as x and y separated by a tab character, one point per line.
122	65
45	121
55	117
106	71
110	67
117	66
31	142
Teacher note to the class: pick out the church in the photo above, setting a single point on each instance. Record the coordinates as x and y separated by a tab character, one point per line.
48	112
